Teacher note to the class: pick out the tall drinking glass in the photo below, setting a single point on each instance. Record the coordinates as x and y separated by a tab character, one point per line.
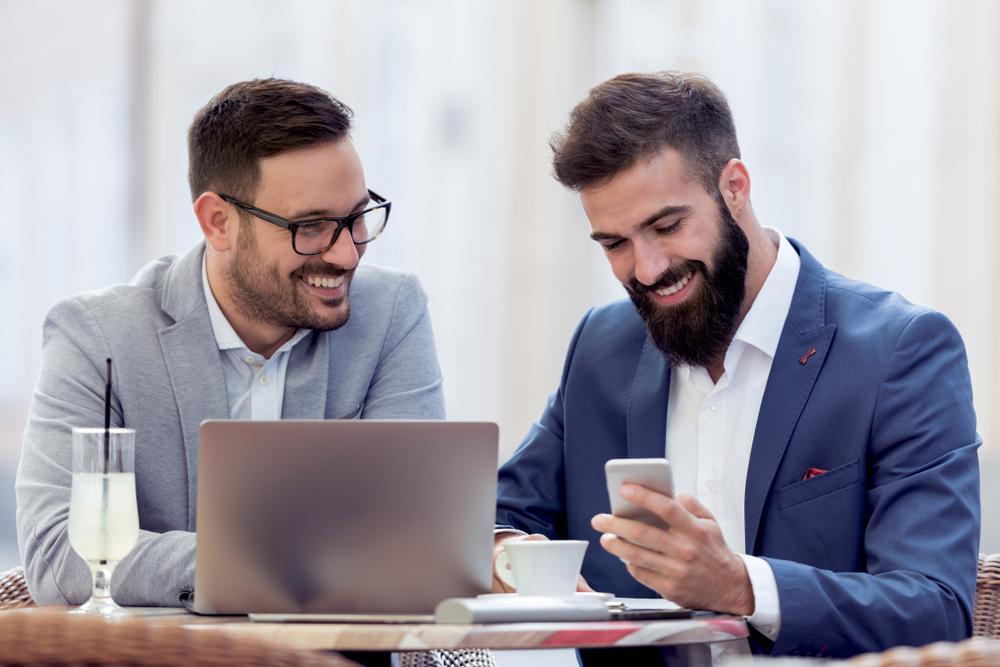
103	519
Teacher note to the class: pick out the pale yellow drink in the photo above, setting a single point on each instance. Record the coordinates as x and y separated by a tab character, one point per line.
102	530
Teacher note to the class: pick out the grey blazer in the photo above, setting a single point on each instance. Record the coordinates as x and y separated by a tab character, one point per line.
167	378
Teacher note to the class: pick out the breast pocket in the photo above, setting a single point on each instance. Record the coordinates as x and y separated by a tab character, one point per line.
824	518
821	485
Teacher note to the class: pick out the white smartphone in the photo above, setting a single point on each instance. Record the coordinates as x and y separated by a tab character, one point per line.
654	474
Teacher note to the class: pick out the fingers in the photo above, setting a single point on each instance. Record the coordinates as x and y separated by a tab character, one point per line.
690	563
665	507
649	578
634	534
582	586
691	504
534	537
640	554
499	586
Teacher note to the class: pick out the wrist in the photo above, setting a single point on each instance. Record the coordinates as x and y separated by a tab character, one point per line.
743	602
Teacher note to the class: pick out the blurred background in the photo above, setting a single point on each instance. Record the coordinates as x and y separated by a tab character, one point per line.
870	129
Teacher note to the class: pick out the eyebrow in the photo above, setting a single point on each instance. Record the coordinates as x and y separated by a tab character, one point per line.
651	220
318	213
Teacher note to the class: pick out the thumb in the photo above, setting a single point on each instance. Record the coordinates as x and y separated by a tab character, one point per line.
691	504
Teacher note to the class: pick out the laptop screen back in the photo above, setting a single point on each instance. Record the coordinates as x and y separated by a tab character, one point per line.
346	517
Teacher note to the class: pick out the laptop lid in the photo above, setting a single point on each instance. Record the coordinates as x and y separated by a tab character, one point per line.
346	517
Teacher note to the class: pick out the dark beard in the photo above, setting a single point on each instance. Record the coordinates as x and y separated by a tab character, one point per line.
264	296
697	332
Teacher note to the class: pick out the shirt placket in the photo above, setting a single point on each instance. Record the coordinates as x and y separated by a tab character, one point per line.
264	395
711	445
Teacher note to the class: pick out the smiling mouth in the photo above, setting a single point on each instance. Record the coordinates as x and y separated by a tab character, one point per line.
676	287
324	281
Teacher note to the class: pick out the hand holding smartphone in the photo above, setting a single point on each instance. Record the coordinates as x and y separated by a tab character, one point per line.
654	474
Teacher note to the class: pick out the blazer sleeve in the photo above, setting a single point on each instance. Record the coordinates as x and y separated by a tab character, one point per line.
921	539
70	392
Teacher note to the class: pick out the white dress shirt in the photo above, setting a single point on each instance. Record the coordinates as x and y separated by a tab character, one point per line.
256	386
710	425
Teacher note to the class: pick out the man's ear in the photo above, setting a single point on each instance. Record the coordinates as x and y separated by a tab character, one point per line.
218	220
734	184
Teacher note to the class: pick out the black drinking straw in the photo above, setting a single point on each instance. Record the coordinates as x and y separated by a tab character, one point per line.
107	420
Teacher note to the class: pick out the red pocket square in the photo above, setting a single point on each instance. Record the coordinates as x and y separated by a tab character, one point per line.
812	472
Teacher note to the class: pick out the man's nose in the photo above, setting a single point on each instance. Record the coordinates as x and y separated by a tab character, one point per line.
343	252
650	263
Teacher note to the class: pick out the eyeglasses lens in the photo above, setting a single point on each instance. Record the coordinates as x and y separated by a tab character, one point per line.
317	237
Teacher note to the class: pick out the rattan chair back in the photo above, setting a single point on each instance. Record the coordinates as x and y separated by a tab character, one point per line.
14	591
986	612
55	638
975	652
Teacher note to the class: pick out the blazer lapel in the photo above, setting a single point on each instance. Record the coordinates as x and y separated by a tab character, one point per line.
192	358
646	414
804	336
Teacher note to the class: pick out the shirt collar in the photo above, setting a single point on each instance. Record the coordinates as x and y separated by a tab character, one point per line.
765	320
225	336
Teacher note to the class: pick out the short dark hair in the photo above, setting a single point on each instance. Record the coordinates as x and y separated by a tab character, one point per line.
252	120
634	116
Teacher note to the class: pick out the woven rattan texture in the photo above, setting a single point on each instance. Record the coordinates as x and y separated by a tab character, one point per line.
13	591
468	657
986	613
975	652
57	639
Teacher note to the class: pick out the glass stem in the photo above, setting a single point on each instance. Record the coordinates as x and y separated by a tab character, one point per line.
102	582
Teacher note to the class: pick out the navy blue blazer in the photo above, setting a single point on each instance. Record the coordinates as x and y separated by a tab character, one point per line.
880	550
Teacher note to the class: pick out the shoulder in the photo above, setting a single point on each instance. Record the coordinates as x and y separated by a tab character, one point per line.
861	309
164	291
138	297
373	276
382	300
608	339
616	323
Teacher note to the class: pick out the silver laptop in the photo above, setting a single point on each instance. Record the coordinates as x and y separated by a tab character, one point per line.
343	517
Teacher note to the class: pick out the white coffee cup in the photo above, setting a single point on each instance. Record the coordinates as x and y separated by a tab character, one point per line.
541	567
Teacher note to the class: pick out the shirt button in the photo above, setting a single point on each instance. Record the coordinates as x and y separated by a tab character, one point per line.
264	380
248	359
711	486
712	411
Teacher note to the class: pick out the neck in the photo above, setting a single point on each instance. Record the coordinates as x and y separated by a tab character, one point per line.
260	338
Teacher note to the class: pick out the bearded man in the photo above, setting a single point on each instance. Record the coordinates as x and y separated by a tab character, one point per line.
270	317
821	430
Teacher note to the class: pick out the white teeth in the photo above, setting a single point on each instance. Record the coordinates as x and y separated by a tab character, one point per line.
328	283
676	287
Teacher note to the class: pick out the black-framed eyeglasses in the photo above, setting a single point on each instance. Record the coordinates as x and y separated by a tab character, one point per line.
317	235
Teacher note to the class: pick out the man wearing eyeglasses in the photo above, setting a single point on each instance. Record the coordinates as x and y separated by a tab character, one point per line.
271	317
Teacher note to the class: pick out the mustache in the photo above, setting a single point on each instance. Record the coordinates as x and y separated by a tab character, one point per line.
667	278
